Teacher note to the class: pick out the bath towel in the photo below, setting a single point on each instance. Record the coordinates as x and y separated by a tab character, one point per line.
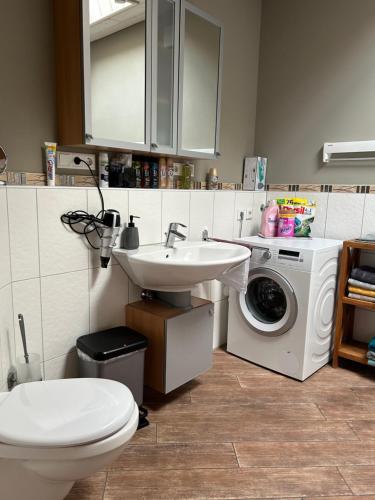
361	297
371	355
361	284
364	273
361	291
371	345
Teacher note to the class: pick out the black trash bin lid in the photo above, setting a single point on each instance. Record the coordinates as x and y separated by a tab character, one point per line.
111	343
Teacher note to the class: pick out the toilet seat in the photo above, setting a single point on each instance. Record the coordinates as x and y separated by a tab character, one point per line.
64	413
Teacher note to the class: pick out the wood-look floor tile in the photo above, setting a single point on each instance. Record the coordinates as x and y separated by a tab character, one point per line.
221	430
365	429
91	488
304	454
346	497
365	394
231	365
222	413
348	411
225	483
178	456
178	396
325	378
295	394
147	435
361	479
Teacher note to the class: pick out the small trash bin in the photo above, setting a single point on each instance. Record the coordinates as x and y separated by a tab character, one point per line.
116	354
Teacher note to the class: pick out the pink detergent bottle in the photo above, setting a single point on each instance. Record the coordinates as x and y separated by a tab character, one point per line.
270	220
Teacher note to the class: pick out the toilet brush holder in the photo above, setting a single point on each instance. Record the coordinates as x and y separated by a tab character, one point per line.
28	372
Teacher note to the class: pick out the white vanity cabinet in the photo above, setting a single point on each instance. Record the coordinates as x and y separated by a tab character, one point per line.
141	76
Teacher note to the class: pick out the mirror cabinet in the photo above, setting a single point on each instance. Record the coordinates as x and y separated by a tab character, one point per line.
139	75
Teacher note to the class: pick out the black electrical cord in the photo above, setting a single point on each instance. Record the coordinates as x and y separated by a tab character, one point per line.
80	217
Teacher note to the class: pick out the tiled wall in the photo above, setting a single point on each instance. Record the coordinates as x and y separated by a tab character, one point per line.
50	275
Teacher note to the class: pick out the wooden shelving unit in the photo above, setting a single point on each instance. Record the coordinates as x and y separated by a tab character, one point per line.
345	346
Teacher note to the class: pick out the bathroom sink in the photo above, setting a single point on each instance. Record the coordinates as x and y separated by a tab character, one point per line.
179	269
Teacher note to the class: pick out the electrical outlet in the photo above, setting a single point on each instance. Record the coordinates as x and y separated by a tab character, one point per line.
249	214
65	161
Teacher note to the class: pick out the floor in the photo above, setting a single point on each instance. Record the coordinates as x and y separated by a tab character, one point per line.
240	431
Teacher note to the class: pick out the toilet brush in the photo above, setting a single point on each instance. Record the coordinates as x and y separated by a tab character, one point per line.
23	336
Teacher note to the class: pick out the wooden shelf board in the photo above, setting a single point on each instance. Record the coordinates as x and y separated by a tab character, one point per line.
361	245
359	303
356	351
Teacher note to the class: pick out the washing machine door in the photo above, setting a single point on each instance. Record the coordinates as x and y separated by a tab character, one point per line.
269	306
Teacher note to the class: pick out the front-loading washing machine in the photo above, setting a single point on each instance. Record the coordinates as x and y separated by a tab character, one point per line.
285	320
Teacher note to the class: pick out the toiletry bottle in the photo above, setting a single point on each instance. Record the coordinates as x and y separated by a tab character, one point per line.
103	169
154	175
162	173
170	173
130	236
138	174
146	174
212	179
177	175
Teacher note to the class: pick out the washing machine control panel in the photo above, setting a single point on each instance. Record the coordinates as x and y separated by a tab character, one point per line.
296	259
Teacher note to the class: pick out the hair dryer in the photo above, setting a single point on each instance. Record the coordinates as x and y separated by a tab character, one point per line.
109	229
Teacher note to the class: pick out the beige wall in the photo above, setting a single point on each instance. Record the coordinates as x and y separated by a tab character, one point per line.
27	100
316	84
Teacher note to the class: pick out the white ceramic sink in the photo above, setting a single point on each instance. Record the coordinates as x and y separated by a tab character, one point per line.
179	269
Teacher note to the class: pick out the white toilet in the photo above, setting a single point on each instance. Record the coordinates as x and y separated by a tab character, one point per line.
55	432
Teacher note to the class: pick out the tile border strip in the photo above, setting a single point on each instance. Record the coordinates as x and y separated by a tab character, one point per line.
322	188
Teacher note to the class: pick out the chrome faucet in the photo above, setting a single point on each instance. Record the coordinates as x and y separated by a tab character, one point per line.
173	234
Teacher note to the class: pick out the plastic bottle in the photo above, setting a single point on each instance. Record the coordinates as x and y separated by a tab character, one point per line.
162	173
170	173
270	220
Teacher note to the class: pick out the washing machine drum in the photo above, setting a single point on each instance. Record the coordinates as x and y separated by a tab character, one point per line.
269	306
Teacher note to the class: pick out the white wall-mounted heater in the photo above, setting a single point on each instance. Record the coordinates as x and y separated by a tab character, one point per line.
356	147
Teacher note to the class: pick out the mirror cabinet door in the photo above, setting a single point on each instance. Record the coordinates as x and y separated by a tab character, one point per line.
200	83
117	40
165	31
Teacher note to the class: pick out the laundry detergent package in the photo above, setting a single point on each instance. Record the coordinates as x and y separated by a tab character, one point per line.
304	219
286	226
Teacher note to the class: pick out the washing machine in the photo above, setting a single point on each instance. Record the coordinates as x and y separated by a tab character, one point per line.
285	320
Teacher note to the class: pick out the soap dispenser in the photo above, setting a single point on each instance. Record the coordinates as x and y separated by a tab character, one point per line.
129	236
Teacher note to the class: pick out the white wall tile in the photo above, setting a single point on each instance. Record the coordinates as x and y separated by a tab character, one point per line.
65	366
260	199
319	224
61	250
117	199
146	203
220	323
134	292
108	297
7	350
219	291
5	276
23	231
26	300
224	214
201	214
368	226
202	290
344	215
175	208
244	202
65	311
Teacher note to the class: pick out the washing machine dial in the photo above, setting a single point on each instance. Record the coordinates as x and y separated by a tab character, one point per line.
267	255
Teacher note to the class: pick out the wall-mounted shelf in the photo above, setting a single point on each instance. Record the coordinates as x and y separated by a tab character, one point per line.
344	148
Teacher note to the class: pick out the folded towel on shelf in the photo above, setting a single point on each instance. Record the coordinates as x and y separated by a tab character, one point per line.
364	273
361	291
371	355
371	362
357	296
361	284
371	345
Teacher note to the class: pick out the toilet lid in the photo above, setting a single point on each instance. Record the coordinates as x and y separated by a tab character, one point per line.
64	412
